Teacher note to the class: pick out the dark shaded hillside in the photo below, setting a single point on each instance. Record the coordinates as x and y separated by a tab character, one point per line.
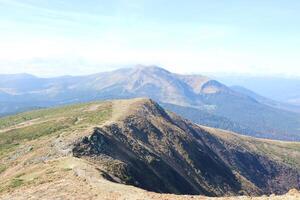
162	152
266	121
208	119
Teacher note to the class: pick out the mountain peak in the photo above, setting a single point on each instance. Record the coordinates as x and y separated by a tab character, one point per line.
150	68
138	107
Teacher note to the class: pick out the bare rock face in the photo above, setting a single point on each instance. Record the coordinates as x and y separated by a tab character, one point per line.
161	152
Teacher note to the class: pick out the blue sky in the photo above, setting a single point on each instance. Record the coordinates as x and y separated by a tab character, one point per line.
50	38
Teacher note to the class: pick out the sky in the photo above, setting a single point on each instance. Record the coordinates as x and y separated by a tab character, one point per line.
60	37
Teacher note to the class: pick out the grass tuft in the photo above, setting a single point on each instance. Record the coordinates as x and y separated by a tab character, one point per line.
16	182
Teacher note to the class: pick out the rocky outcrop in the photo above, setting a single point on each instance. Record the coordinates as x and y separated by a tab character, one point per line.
161	152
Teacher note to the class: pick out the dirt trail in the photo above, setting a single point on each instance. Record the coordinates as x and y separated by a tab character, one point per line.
21	125
29	123
121	108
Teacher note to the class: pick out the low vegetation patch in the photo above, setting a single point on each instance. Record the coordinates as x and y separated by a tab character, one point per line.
12	138
2	168
16	182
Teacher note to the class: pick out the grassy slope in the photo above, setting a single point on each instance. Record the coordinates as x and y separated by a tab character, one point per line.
284	152
28	139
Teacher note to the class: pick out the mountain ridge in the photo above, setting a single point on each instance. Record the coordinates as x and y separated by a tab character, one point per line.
208	96
116	139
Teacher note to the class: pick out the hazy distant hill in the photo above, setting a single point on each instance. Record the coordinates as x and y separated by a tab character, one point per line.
61	152
281	89
211	98
208	119
266	101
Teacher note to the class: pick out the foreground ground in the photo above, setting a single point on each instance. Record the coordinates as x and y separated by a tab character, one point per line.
78	180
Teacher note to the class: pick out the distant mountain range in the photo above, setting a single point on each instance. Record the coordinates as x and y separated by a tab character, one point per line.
283	89
266	101
199	98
